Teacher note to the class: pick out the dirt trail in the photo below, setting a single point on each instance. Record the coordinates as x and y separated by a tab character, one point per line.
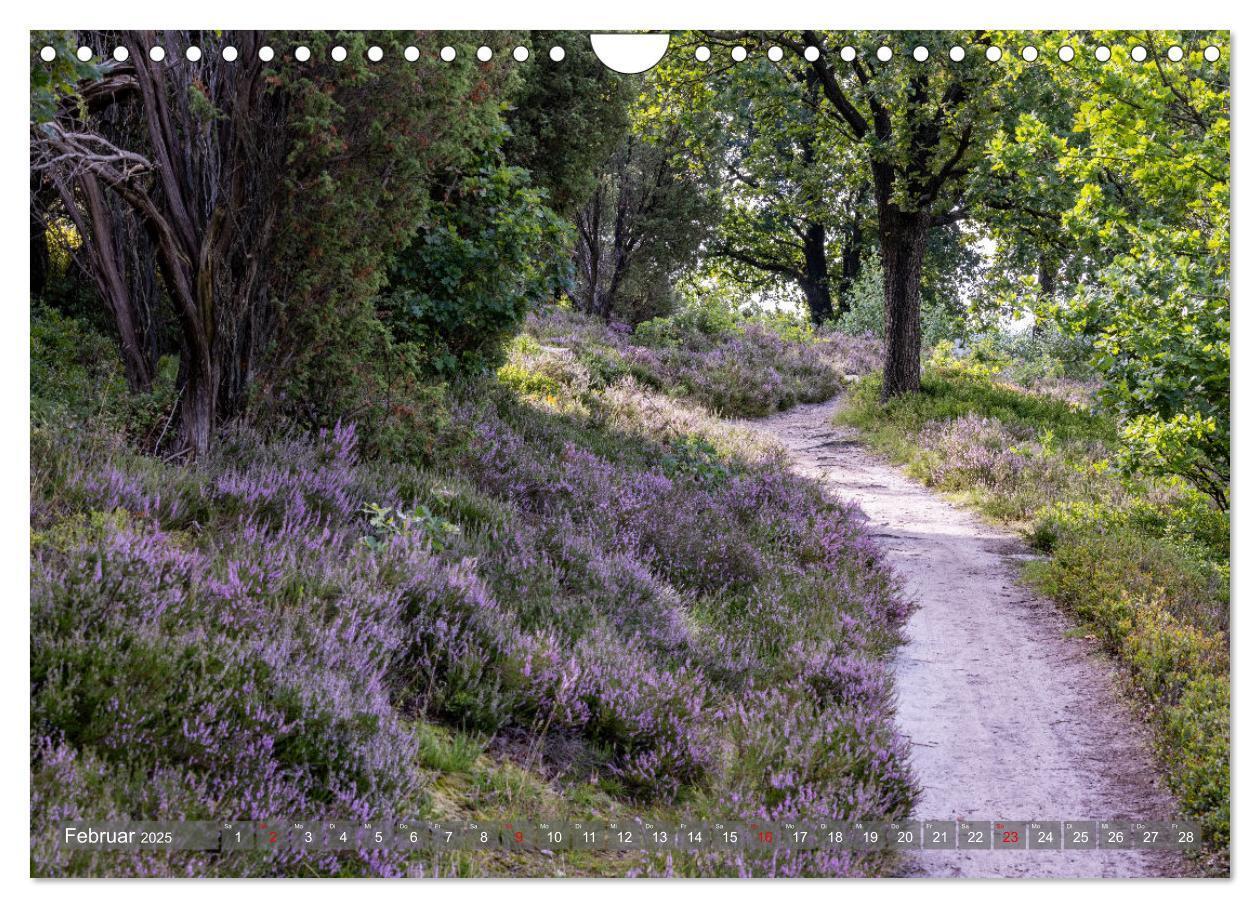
1008	718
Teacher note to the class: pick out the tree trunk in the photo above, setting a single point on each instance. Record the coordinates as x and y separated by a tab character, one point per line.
850	263
1047	276
1048	283
108	249
903	243
590	248
197	410
814	281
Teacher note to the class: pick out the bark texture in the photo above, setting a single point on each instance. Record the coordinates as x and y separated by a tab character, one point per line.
186	185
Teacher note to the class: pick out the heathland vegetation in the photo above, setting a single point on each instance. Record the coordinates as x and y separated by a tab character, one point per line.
382	454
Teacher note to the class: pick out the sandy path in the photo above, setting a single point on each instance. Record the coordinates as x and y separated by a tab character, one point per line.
1008	718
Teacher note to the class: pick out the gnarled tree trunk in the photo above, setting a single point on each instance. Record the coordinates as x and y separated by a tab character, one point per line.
194	166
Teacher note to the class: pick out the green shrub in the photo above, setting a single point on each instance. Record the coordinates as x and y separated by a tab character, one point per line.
1165	618
690	326
75	371
1043	351
465	283
706	320
387	522
605	365
1196	743
1188	521
77	378
526	381
404	420
695	457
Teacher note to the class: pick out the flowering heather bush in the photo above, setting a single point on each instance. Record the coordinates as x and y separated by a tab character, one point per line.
744	368
647	598
1020	466
1015	450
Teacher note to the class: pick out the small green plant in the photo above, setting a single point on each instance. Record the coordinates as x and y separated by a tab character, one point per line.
80	528
385	522
528	381
695	457
605	365
982	360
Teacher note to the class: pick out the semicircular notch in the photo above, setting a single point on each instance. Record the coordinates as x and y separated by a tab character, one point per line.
630	54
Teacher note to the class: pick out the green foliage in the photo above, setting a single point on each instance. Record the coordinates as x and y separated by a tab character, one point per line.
488	251
1033	261
544	372
77	380
75	372
691	325
375	147
1187	445
1034	358
706	316
940	314
1139	189
1162	613
1044	351
606	365
566	120
1197	736
695	457
406	415
53	81
526	381
644	226
981	361
385	521
66	287
788	178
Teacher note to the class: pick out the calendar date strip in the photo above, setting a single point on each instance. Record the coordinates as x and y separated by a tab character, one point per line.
629	835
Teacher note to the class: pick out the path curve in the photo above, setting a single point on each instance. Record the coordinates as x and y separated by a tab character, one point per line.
1008	717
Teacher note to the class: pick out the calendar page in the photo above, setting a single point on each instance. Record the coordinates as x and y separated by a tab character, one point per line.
632	453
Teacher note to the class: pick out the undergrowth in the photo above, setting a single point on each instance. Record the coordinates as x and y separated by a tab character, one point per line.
732	365
592	600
